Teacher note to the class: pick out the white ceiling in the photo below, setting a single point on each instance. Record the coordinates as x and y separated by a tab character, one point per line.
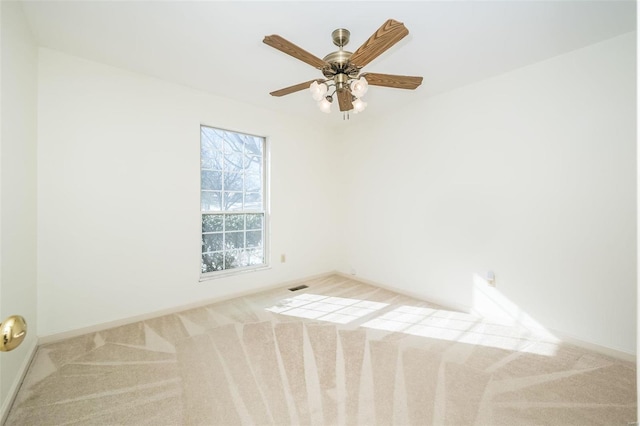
217	46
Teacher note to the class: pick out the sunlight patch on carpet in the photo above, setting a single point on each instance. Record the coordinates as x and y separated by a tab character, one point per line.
464	328
338	310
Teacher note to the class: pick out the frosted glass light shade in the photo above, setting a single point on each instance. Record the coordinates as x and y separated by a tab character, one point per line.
358	106
324	105
359	87
318	90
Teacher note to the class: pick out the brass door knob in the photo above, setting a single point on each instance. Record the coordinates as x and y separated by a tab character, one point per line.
13	330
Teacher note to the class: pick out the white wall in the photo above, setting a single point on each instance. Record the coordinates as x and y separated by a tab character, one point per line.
118	193
18	279
531	174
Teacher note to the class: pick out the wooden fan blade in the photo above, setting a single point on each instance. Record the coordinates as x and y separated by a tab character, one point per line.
295	88
344	100
291	49
387	35
390	80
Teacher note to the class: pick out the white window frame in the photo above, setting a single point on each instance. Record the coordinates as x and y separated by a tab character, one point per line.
205	276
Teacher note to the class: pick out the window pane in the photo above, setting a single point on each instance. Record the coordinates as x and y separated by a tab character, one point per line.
233	161
232	181
253	201
211	180
212	223
212	242
254	221
243	259
254	238
210	150
206	163
212	262
210	201
234	240
253	164
232	201
219	134
252	182
209	140
253	145
234	222
211	160
231	259
255	256
233	143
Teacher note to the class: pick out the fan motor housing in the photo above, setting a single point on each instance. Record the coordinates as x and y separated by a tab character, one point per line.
339	64
339	57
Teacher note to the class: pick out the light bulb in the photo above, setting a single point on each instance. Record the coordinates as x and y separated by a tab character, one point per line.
359	87
318	90
325	105
358	106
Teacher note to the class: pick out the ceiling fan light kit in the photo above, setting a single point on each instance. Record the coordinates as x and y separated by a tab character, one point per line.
342	69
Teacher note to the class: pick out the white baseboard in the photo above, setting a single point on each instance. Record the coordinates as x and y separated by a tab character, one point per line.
51	338
563	337
604	350
15	386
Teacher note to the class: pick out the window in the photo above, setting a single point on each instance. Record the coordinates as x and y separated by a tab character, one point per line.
232	201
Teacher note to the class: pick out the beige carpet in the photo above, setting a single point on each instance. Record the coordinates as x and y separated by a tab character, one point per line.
338	352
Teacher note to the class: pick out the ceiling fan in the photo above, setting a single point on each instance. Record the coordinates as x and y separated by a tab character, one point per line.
341	68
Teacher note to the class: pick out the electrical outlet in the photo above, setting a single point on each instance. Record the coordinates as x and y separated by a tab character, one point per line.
283	258
353	271
491	278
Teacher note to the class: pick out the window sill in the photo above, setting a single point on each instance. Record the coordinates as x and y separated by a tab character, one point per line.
231	272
